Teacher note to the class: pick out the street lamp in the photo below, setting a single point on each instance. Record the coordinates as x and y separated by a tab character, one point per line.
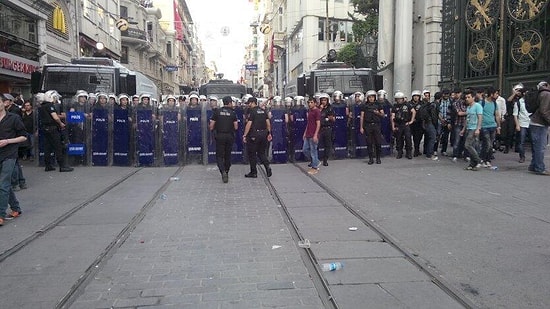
368	47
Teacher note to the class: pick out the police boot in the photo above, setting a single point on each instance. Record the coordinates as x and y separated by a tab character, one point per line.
399	155
371	159
378	152
409	155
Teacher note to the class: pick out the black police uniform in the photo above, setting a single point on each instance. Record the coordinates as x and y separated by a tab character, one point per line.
52	138
256	140
402	114
225	118
417	130
325	138
372	127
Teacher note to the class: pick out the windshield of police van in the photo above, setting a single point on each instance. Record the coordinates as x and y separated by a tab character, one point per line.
67	80
346	81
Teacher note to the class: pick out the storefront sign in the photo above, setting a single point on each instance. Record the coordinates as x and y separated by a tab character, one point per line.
17	66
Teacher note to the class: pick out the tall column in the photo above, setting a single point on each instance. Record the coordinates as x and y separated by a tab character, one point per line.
403	46
385	43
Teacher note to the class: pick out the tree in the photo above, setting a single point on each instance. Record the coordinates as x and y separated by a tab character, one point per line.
368	25
348	54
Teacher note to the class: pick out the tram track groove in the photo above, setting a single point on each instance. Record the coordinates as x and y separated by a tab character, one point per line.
28	240
435	277
77	288
306	254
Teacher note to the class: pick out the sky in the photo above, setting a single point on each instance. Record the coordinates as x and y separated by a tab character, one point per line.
227	51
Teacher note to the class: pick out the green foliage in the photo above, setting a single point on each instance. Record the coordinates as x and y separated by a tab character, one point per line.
348	54
369	25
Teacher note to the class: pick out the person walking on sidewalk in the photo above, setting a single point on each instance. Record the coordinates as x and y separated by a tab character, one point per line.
311	136
472	127
224	123
257	134
12	132
540	120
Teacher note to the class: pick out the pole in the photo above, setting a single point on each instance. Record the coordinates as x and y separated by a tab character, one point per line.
328	27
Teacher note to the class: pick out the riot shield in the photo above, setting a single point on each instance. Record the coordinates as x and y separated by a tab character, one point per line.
361	150
122	123
194	148
300	123
385	129
100	135
144	136
170	122
237	153
278	132
340	131
210	138
78	126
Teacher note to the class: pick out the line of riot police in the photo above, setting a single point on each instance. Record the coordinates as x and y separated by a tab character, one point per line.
104	130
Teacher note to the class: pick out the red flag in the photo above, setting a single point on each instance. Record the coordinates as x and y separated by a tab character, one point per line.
178	23
272	49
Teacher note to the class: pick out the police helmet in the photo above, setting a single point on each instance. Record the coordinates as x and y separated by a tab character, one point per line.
135	96
53	93
168	97
370	93
277	100
416	92
425	91
123	96
48	97
101	94
399	95
144	95
81	93
92	96
337	95
213	98
360	95
193	96
202	97
324	95
288	101
113	96
299	100
382	93
518	87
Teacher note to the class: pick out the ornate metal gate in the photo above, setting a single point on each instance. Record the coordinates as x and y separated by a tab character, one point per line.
495	42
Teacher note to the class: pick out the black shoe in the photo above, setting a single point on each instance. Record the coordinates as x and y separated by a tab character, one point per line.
409	156
251	175
268	171
225	177
399	156
378	161
371	161
325	163
66	169
49	168
416	153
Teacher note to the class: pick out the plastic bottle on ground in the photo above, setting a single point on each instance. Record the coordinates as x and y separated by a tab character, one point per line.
332	266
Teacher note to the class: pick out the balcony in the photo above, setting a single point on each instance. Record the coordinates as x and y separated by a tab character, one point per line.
133	35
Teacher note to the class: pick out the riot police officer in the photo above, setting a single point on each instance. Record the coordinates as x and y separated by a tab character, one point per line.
402	116
327	122
257	134
417	129
224	122
289	128
51	126
355	104
371	116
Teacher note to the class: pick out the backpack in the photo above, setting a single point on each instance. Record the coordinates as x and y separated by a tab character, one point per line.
531	99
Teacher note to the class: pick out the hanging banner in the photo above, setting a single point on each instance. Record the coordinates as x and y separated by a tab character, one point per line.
121	137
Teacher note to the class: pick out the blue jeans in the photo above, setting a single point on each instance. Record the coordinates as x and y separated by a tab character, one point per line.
310	151
471	144
538	137
522	134
487	138
458	141
17	177
6	193
430	135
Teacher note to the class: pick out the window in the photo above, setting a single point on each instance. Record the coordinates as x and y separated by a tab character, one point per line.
123	12
321	35
150	31
124	54
169	49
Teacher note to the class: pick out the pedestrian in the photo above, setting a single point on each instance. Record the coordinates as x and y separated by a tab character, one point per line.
444	126
327	122
402	116
458	114
52	125
28	121
257	134
521	121
417	131
12	132
224	123
540	120
311	136
472	128
370	125
490	126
